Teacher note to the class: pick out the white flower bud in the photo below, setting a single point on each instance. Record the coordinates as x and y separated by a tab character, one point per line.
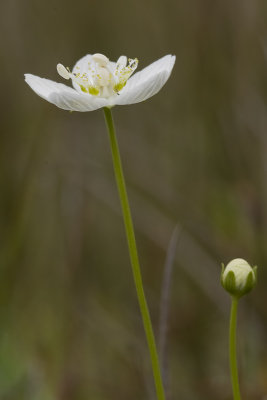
238	278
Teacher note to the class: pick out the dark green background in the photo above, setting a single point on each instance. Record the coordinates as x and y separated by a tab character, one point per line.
194	156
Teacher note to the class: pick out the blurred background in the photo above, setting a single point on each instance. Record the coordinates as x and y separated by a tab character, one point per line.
196	169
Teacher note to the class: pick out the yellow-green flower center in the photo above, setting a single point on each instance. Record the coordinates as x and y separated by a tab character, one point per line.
100	77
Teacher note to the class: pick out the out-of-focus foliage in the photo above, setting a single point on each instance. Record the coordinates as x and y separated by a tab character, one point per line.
195	156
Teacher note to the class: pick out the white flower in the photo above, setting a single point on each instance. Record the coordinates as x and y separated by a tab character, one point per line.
99	82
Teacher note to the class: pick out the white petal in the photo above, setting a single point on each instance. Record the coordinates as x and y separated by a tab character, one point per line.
77	101
111	66
81	67
63	96
44	87
82	64
147	82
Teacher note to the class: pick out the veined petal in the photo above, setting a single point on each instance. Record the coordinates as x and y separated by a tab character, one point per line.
44	87
81	65
63	96
77	101
147	82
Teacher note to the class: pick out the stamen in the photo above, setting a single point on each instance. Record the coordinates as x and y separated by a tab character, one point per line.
133	63
103	76
100	59
123	73
63	71
122	62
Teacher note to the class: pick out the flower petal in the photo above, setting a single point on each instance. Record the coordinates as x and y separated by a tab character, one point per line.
81	65
64	96
77	101
44	87
147	82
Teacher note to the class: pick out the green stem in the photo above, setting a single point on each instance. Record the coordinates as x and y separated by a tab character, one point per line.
232	349
133	253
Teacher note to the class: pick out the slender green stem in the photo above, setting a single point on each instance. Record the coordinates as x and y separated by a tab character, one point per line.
232	349
133	254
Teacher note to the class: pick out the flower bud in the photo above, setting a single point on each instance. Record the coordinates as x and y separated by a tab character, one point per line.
238	278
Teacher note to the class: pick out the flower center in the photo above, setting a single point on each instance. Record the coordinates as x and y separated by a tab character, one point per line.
101	77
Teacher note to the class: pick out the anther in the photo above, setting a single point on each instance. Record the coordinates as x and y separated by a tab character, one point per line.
63	71
100	59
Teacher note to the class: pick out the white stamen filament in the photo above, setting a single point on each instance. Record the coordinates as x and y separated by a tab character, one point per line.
103	76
